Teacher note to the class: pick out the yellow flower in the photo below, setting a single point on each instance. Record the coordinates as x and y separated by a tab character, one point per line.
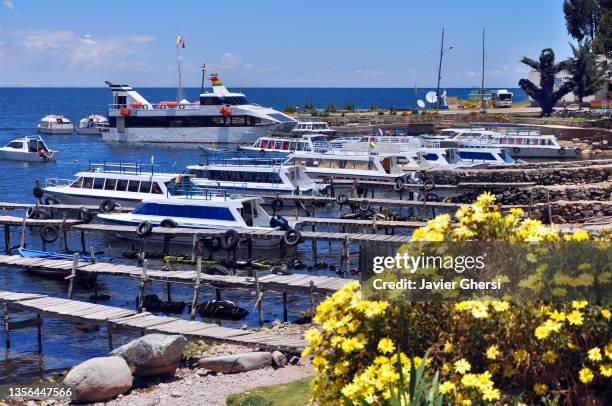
489	394
608	349
606	313
595	354
386	346
448	347
540	389
541	332
313	337
462	366
466	402
492	352
585	375
520	355
446	387
606	370
549	356
579	304
575	318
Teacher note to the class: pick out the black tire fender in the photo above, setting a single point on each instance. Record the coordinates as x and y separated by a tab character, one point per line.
32	212
107	206
168	223
516	150
364	205
277	205
342	199
292	237
144	229
217	269
230	239
85	215
328	181
49	233
432	197
399	184
38	192
50	200
429	185
562	151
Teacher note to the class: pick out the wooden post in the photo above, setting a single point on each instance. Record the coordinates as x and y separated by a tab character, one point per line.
250	254
92	254
5	316
23	232
75	264
312	300
285	307
196	288
95	277
550	221
193	247
83	244
258	299
7	239
143	279
109	336
39	332
217	294
347	257
168	293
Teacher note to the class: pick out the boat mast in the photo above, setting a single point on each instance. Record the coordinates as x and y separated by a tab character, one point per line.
179	89
440	72
482	101
203	69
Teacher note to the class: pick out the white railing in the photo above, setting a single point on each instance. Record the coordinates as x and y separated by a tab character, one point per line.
57	182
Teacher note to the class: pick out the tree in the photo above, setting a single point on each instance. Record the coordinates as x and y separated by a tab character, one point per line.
587	74
603	37
582	18
545	94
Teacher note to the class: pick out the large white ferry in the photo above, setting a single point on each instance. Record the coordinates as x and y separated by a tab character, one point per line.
221	117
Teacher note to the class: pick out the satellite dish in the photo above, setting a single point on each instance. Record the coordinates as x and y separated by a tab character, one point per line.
421	103
431	97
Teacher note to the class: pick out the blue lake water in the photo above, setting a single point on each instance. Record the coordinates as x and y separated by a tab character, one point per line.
66	343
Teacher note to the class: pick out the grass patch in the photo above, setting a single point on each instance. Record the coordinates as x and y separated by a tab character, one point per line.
288	394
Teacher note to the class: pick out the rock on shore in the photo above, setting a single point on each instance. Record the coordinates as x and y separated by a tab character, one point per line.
99	379
153	354
243	362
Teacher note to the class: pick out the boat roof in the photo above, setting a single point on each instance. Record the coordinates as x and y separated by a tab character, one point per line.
205	200
55	117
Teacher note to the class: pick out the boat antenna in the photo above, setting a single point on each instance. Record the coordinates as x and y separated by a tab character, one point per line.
180	43
482	101
442	50
203	69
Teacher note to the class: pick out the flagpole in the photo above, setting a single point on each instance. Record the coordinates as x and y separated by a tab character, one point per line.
203	69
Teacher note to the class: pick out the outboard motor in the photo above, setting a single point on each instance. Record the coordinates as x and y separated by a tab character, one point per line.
279	222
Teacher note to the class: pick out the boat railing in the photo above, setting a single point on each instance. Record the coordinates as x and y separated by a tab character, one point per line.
58	182
189	190
133	168
243	162
184	106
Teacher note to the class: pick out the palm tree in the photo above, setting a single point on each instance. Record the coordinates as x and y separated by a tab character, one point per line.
587	74
545	94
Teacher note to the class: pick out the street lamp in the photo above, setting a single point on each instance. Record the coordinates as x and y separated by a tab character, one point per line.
442	51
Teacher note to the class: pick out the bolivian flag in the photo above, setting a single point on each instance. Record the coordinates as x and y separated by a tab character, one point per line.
180	41
372	143
215	80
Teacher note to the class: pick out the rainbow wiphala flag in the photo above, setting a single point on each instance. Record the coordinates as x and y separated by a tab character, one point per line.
215	80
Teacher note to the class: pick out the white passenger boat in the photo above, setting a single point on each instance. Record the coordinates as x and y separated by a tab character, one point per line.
125	184
250	176
55	124
284	146
28	149
93	124
221	118
312	127
520	143
202	211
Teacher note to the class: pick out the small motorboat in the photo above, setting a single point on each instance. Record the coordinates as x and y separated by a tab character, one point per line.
28	253
55	124
28	149
93	124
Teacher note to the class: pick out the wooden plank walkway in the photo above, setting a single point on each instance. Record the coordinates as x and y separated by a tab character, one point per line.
146	322
296	283
17	221
91	208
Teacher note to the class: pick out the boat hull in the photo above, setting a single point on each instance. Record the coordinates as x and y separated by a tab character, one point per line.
24	156
90	131
568	153
74	199
55	130
189	135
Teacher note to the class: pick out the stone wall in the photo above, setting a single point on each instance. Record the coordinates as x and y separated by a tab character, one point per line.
575	212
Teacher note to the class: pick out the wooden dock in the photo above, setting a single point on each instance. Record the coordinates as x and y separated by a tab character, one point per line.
117	318
296	283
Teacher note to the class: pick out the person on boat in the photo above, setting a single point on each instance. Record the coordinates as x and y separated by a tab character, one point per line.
43	154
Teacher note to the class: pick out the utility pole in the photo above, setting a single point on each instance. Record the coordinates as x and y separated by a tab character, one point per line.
482	100
440	72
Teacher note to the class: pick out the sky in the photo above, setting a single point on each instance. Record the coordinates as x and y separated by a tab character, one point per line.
270	43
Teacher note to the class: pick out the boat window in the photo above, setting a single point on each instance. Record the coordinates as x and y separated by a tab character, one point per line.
145	187
264	143
155	189
257	144
77	183
301	146
286	145
16	145
210	101
87	183
199	212
122	185
110	184
98	183
293	146
253	120
133	186
238	120
278	144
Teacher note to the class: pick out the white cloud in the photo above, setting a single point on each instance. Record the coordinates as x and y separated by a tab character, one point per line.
66	49
507	70
9	4
368	72
231	62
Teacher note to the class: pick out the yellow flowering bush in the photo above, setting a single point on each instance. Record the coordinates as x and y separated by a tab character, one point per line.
484	351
